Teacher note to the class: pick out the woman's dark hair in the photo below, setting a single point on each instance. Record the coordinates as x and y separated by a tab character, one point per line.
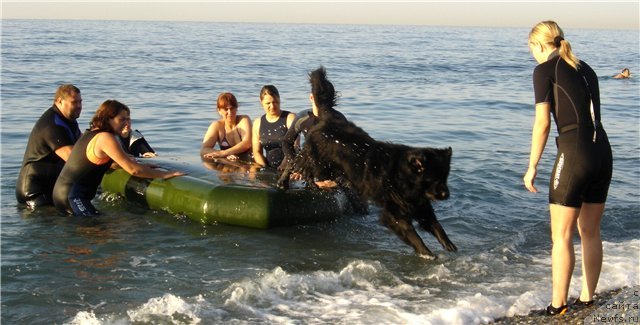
227	99
270	90
107	110
324	94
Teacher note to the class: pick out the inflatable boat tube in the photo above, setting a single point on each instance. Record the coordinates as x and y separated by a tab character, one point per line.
210	203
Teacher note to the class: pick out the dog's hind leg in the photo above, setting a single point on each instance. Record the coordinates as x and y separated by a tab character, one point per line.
427	220
404	229
358	204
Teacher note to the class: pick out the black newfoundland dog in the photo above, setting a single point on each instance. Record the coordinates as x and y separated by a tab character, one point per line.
402	180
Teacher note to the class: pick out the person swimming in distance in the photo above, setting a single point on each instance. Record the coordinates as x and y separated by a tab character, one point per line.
232	132
92	155
625	74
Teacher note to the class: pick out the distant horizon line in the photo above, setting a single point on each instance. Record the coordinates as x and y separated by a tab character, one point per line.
522	13
301	23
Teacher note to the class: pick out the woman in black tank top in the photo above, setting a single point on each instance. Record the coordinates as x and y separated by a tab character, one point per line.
567	89
92	156
269	130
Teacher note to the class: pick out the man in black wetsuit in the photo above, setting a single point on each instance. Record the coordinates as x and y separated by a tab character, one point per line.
49	146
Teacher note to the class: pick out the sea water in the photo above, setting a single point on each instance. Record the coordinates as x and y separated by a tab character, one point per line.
468	88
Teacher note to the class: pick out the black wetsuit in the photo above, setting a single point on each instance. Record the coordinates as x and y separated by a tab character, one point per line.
135	144
271	135
79	180
304	121
583	167
40	165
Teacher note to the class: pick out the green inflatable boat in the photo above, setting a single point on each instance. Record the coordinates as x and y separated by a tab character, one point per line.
205	200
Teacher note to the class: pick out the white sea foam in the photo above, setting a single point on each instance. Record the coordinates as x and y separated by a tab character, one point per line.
168	308
465	290
364	292
620	268
85	318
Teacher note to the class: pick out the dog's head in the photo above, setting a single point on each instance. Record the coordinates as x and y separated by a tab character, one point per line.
425	172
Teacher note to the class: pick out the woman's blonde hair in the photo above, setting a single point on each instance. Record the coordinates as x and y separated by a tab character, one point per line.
548	32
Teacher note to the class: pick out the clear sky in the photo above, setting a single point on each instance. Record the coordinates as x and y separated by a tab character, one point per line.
569	14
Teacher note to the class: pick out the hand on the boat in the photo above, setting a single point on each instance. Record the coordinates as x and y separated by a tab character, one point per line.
149	155
171	174
295	176
214	154
326	184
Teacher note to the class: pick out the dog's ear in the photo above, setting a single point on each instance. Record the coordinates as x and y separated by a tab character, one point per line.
417	163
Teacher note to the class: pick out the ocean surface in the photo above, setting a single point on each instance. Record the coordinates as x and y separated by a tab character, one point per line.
468	88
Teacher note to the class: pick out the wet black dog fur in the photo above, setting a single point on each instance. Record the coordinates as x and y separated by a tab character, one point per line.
400	179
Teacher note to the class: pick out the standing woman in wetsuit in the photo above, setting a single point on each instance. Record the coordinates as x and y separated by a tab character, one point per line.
92	156
270	129
567	89
231	132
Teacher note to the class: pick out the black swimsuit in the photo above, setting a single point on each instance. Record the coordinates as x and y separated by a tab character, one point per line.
79	180
583	167
41	165
224	145
303	122
271	135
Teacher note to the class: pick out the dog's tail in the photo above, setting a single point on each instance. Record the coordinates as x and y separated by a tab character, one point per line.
324	95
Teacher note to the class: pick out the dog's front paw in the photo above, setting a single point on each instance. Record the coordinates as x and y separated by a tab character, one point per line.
428	257
451	247
283	184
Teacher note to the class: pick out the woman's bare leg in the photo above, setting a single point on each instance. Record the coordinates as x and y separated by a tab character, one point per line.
563	224
589	228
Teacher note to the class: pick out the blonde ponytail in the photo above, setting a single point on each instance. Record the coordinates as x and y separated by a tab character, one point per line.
548	32
567	54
